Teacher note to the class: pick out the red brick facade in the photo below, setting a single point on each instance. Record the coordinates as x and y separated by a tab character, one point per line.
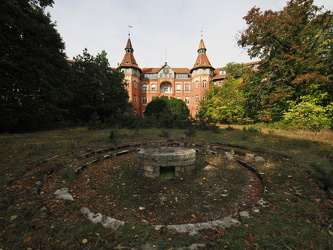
189	85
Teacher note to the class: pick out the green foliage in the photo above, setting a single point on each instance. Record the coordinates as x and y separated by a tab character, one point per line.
224	103
33	68
253	129
114	136
168	113
235	69
95	122
164	133
96	88
308	115
295	48
190	132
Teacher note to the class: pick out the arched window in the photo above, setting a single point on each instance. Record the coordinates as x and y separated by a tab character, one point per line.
153	87
178	87
134	84
187	87
166	88
197	98
204	84
187	100
144	87
197	84
144	100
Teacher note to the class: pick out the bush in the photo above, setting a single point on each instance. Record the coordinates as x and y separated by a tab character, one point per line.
190	132
114	136
253	129
229	128
164	133
308	115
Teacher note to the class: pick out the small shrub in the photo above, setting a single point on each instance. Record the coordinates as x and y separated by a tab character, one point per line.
191	131
253	129
215	129
114	136
68	174
164	133
95	122
229	128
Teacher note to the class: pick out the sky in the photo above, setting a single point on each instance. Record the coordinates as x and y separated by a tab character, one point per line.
162	30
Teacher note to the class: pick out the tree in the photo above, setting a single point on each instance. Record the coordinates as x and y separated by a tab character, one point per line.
33	68
295	48
224	104
96	89
168	112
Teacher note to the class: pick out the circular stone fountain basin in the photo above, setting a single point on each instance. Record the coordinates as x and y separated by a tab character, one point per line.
154	161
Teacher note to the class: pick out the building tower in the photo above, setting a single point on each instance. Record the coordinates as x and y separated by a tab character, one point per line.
132	73
202	74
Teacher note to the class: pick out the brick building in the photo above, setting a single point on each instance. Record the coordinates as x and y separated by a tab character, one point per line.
189	85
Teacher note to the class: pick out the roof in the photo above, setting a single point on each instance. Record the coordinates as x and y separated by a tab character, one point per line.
155	70
202	45
202	59
129	59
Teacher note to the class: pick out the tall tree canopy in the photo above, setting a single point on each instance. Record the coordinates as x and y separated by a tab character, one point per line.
224	103
32	66
295	47
168	112
96	89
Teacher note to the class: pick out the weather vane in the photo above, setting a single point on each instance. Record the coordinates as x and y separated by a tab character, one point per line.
129	33
201	33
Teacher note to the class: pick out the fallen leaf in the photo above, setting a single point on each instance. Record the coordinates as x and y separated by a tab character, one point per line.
26	240
13	217
84	241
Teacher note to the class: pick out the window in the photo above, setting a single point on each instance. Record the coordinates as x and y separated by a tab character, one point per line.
134	84
127	71
187	87
153	87
144	100
126	83
187	100
196	84
134	99
197	98
204	71
144	87
204	84
178	87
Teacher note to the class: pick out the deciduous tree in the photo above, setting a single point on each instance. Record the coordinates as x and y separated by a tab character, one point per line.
295	47
33	68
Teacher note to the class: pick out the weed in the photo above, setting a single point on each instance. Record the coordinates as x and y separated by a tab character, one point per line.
68	174
191	132
229	128
253	129
114	136
164	133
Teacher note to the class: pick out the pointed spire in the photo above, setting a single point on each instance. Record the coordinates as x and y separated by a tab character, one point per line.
202	45
202	59
129	45
129	60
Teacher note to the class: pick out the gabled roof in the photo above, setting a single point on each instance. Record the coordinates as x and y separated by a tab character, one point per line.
156	70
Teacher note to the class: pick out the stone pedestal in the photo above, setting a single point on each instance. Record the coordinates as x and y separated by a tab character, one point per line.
152	161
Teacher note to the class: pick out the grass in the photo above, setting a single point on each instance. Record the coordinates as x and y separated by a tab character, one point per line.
299	215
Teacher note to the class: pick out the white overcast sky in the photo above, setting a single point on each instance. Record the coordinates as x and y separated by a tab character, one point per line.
163	30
